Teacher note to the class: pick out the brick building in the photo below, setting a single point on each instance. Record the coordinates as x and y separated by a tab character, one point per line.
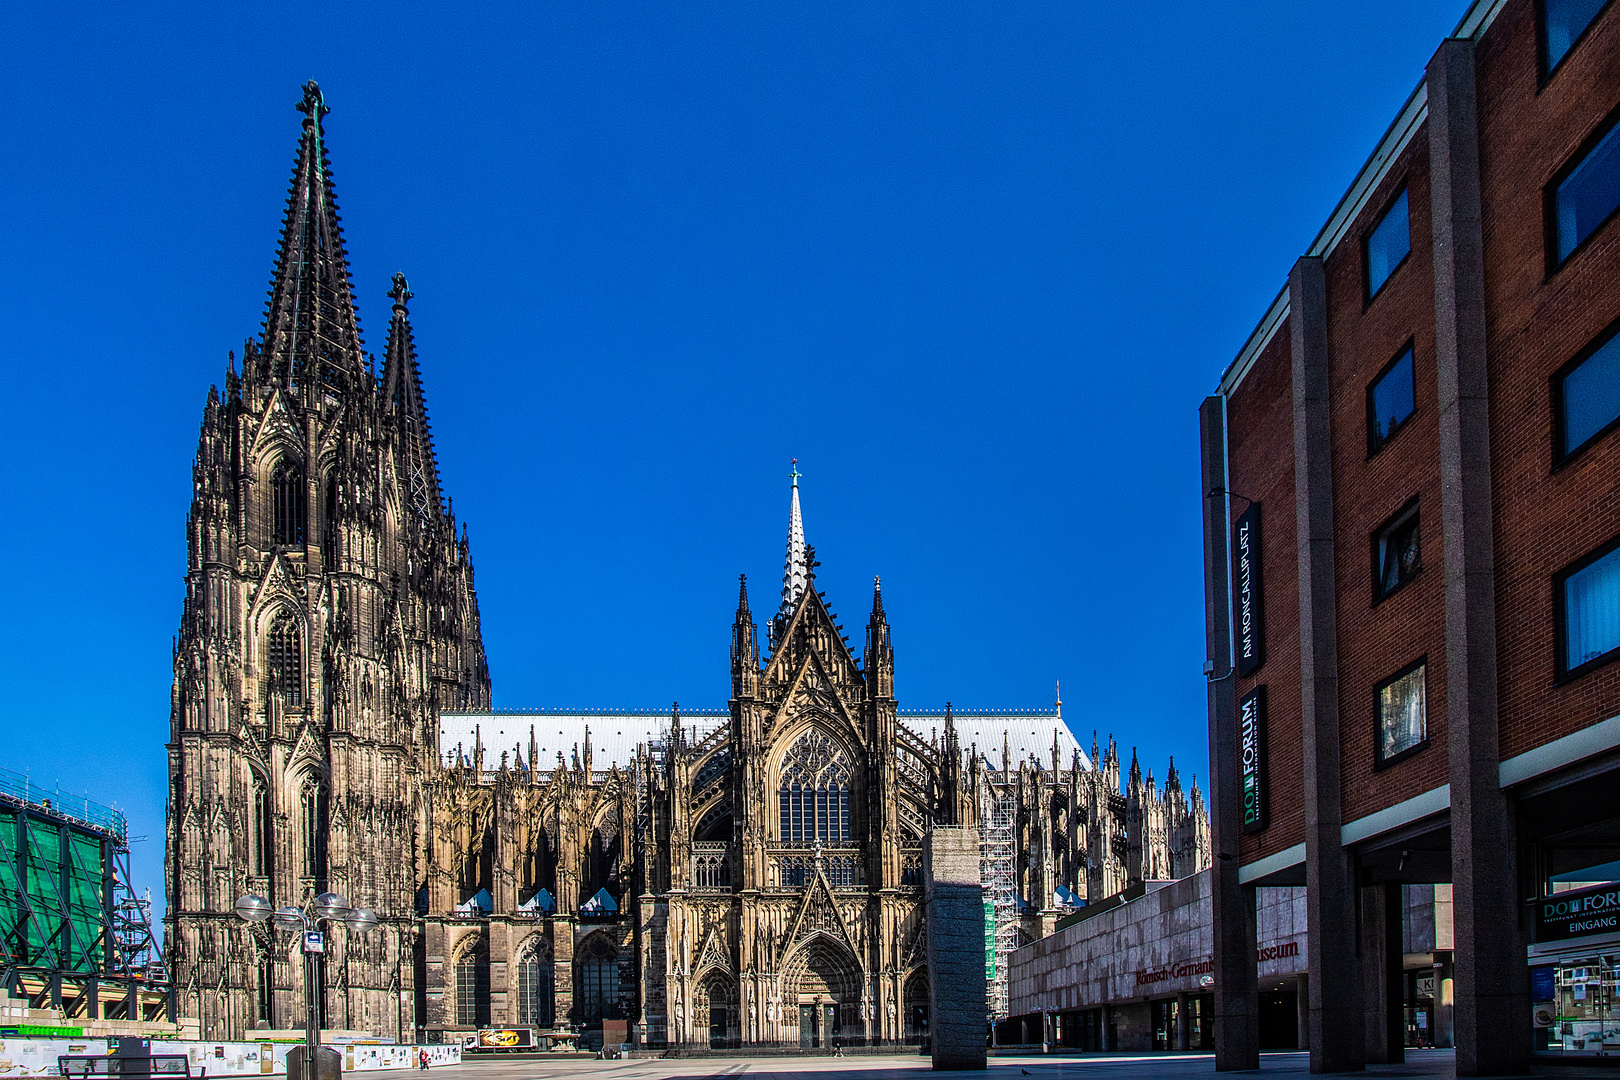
1412	542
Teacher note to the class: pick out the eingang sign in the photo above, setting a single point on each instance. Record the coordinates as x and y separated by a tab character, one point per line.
1252	758
1575	914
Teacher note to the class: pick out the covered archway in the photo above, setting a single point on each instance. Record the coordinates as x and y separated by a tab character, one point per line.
823	994
915	1005
715	1016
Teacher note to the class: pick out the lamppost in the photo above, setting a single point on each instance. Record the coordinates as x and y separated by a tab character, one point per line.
329	908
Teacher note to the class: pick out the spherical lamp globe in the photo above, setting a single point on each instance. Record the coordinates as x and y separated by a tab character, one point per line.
362	920
330	905
253	908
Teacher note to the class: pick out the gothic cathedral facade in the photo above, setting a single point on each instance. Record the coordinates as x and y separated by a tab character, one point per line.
741	876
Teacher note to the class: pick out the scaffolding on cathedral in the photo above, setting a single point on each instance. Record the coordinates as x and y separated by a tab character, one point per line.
999	873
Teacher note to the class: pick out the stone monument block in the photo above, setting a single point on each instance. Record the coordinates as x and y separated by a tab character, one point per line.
956	991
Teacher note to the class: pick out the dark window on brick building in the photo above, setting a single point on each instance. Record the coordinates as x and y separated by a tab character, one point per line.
1388	245
1588	596
1397	552
1562	24
1586	192
1403	717
1586	395
1389	400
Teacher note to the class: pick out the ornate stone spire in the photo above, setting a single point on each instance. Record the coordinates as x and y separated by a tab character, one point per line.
406	409
796	574
311	333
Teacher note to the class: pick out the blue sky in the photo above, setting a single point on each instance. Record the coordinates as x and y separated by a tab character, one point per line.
973	264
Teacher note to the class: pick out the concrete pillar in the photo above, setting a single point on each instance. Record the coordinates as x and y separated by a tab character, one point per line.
1183	1021
1492	1010
1302	1006
955	912
1337	1038
1444	996
1236	1015
1382	978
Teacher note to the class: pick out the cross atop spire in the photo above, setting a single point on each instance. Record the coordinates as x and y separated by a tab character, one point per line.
400	293
311	333
314	105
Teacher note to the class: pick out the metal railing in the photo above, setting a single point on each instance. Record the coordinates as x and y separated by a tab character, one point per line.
15	785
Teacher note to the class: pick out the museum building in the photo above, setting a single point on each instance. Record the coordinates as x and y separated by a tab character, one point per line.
1412	542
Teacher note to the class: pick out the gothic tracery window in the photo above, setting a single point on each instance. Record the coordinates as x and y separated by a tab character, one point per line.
286	662
596	994
287	489
536	986
814	794
261	826
472	987
312	811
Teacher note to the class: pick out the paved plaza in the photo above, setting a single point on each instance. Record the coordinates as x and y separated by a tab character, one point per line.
1419	1063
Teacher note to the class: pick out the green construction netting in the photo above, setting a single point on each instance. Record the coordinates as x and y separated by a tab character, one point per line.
50	894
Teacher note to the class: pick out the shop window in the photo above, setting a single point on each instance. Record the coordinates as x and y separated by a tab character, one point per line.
1588	597
1388	245
1396	551
1585	193
1573	1008
1389	401
1586	396
1403	721
1562	24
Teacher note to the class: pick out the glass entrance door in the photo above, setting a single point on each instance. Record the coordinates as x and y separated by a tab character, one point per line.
807	1027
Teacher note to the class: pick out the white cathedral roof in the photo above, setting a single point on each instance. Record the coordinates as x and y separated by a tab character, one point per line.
1027	733
615	735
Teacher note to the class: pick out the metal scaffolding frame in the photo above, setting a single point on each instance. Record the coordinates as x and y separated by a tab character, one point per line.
998	867
80	927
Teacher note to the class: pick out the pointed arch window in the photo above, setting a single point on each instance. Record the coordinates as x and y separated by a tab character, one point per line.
287	488
813	800
596	995
312	827
472	987
536	987
262	830
286	661
266	990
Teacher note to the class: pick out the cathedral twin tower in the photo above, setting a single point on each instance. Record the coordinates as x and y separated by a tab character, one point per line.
329	615
748	875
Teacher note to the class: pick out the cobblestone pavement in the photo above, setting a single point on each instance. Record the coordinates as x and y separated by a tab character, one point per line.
1419	1063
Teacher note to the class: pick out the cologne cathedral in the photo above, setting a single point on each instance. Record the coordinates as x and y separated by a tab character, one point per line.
742	876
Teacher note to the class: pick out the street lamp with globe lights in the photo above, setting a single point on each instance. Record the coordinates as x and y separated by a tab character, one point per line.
328	908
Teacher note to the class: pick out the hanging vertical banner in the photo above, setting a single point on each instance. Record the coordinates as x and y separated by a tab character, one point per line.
1249	603
1252	758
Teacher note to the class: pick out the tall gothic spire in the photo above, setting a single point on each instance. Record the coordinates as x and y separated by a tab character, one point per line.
311	334
406	409
796	573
